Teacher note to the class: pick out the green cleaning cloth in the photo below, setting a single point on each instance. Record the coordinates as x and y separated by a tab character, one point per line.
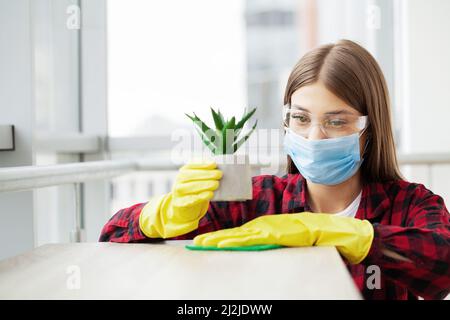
259	247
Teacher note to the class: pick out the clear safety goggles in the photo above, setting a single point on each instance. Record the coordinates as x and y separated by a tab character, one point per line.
332	125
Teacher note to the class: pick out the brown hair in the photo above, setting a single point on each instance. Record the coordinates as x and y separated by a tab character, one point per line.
351	73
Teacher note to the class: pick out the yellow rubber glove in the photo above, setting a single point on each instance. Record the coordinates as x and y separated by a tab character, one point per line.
179	211
351	237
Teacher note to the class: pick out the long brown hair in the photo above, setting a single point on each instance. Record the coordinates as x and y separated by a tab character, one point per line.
352	74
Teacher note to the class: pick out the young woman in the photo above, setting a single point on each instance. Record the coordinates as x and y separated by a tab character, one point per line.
343	187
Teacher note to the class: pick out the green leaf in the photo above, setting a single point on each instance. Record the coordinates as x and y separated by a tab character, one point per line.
223	143
232	123
244	119
221	116
241	123
237	132
238	144
199	123
227	146
212	145
218	121
190	117
206	141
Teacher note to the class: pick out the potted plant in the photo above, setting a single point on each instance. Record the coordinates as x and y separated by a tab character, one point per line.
223	141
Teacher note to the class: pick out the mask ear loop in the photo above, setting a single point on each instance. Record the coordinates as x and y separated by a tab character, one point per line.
367	141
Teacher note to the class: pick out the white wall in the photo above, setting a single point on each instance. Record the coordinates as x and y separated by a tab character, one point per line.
428	43
56	78
71	75
425	87
41	92
96	196
16	107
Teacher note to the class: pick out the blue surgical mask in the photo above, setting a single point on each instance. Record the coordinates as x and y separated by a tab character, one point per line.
326	161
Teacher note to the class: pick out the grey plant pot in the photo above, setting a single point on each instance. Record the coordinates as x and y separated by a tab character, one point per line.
236	182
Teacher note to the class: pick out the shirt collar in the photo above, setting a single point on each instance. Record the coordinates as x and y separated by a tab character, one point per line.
374	199
299	192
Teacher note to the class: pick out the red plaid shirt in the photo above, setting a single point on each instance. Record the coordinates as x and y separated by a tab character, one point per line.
407	218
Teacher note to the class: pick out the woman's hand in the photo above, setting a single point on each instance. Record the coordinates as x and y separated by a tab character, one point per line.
351	237
179	211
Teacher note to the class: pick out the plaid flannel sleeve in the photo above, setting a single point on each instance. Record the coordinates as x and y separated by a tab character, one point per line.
124	226
267	191
424	241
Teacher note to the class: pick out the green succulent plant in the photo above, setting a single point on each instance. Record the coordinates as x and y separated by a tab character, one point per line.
225	138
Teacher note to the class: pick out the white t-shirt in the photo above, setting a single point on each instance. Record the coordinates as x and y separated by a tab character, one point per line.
351	210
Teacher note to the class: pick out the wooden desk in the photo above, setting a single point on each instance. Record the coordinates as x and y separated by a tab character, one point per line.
169	271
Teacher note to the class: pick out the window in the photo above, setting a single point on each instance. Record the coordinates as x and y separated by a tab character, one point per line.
166	58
